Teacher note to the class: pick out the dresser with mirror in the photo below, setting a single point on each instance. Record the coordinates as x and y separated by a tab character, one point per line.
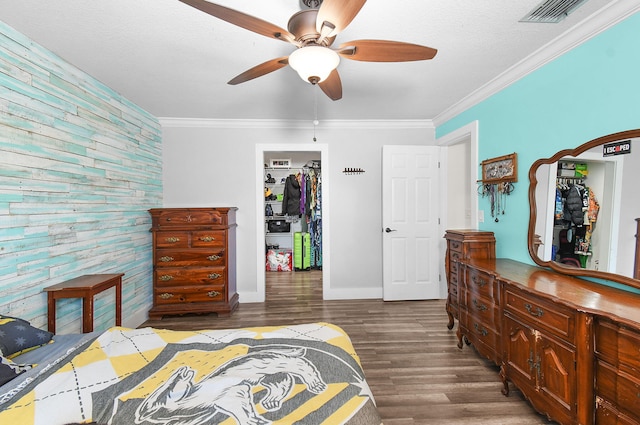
566	333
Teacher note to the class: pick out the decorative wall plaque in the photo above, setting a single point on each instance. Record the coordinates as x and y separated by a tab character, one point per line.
500	169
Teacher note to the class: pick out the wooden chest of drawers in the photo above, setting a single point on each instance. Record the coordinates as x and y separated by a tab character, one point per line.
462	245
194	267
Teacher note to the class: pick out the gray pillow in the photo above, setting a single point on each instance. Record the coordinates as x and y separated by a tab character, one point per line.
17	336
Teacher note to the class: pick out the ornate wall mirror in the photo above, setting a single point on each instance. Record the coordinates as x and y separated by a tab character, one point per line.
596	240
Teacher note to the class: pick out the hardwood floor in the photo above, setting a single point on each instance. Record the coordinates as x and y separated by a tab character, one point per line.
410	358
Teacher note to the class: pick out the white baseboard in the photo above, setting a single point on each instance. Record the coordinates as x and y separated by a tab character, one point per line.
137	318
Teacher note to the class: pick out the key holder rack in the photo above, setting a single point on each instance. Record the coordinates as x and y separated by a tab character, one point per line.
498	177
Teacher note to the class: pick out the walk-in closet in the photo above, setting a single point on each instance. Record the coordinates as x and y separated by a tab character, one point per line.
292	217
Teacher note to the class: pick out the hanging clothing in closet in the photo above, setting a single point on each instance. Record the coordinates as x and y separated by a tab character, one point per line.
291	196
315	219
303	197
576	209
591	209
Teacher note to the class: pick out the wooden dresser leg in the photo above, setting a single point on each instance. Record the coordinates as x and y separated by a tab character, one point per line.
505	382
450	323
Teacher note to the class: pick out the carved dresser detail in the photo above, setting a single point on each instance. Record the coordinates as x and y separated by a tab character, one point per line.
194	261
570	345
463	244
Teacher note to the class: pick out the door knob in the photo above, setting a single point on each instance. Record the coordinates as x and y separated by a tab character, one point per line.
390	230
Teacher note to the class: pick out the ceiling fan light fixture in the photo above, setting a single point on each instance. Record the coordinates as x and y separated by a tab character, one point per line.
314	63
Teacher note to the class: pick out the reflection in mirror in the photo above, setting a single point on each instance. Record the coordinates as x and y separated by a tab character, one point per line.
584	206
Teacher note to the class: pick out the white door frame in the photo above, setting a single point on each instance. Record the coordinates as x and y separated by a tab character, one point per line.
464	134
461	135
323	148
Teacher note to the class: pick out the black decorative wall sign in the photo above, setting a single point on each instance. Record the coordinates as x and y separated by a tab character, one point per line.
616	148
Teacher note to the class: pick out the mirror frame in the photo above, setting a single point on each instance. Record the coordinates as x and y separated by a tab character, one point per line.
531	237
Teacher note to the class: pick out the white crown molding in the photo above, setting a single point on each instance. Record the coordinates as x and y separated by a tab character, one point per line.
168	122
598	22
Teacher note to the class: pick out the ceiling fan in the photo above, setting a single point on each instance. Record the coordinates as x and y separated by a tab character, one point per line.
313	31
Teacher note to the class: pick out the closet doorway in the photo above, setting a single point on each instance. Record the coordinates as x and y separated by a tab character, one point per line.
293	212
565	240
459	209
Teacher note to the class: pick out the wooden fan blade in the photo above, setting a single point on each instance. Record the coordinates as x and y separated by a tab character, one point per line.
385	51
242	20
260	70
338	13
332	85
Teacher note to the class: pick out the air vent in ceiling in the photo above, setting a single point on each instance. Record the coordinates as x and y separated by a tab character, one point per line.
552	11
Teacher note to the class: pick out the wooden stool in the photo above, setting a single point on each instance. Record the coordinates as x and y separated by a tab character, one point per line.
84	287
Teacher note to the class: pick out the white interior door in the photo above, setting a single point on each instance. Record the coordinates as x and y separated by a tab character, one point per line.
411	232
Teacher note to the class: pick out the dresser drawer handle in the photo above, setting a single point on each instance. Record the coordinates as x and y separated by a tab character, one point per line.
165	296
482	331
172	240
479	305
480	282
213	294
214	275
213	257
207	239
530	361
537	313
166	259
166	277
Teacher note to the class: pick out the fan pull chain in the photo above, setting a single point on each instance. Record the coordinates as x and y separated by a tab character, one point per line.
315	112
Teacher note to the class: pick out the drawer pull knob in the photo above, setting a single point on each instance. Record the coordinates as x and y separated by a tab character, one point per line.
166	277
172	240
214	275
165	296
479	305
166	259
213	294
481	331
213	257
537	313
207	239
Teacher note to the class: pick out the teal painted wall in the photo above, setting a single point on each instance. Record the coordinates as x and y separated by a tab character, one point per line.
79	167
589	92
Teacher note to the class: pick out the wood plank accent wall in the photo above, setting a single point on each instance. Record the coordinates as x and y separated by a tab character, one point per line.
79	168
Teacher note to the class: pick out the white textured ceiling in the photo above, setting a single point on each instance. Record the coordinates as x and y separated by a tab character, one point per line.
174	61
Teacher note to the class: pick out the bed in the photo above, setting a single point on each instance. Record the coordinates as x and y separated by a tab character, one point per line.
306	374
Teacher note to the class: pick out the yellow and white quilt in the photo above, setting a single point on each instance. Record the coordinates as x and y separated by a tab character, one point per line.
305	374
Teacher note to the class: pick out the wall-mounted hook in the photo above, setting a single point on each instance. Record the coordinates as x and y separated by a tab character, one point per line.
350	171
